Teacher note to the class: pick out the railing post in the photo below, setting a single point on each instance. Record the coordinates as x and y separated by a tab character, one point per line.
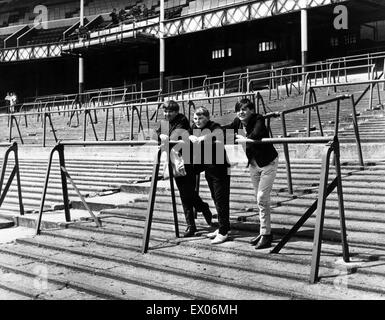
287	156
151	202
344	242
60	150
321	205
224	81
15	171
247	81
371	90
38	222
13	119
10	121
132	124
174	210
356	132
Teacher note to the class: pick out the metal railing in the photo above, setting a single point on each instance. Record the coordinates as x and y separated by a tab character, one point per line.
190	82
308	107
371	84
318	205
11	147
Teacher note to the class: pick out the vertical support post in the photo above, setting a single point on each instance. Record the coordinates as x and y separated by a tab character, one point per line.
174	211
81	60
309	118
321	204
18	129
10	127
38	222
224	81
132	123
113	124
85	125
304	41
162	50
60	149
247	81
371	90
356	132
337	120
344	242
287	156
151	203
81	75
51	124
16	155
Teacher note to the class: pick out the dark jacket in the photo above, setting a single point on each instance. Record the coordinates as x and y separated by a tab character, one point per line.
256	129
216	146
179	122
177	129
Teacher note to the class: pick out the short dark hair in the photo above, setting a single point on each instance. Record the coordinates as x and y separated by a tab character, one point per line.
202	111
244	103
170	105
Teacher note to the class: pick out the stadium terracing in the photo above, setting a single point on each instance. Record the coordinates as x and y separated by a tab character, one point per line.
83	203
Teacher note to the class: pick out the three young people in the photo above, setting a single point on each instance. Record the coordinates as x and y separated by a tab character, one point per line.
208	155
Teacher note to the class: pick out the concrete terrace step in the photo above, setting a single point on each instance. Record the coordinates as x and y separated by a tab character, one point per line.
282	217
183	263
6	223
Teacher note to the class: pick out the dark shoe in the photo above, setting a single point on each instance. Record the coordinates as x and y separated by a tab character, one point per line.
190	232
255	240
264	242
207	214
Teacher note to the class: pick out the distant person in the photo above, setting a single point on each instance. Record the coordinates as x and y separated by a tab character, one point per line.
7	100
122	15
136	11
145	11
83	33
262	163
114	16
12	101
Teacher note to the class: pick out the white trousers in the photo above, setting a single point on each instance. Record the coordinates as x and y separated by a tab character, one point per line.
262	179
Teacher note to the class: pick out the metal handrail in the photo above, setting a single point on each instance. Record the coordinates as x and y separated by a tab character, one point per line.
190	80
319	204
12	147
371	84
282	115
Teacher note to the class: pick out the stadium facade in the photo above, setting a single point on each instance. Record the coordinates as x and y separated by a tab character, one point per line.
41	40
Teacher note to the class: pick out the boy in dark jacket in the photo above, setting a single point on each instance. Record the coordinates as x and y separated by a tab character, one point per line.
177	125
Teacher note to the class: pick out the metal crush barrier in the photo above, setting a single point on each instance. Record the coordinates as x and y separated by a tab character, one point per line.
282	115
15	172
370	83
318	206
59	148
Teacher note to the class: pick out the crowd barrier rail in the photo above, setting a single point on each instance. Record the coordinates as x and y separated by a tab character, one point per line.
11	147
318	206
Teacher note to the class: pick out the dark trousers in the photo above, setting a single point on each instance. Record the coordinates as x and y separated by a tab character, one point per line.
219	184
189	197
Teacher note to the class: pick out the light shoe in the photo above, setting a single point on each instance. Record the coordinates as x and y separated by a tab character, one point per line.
212	235
220	238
